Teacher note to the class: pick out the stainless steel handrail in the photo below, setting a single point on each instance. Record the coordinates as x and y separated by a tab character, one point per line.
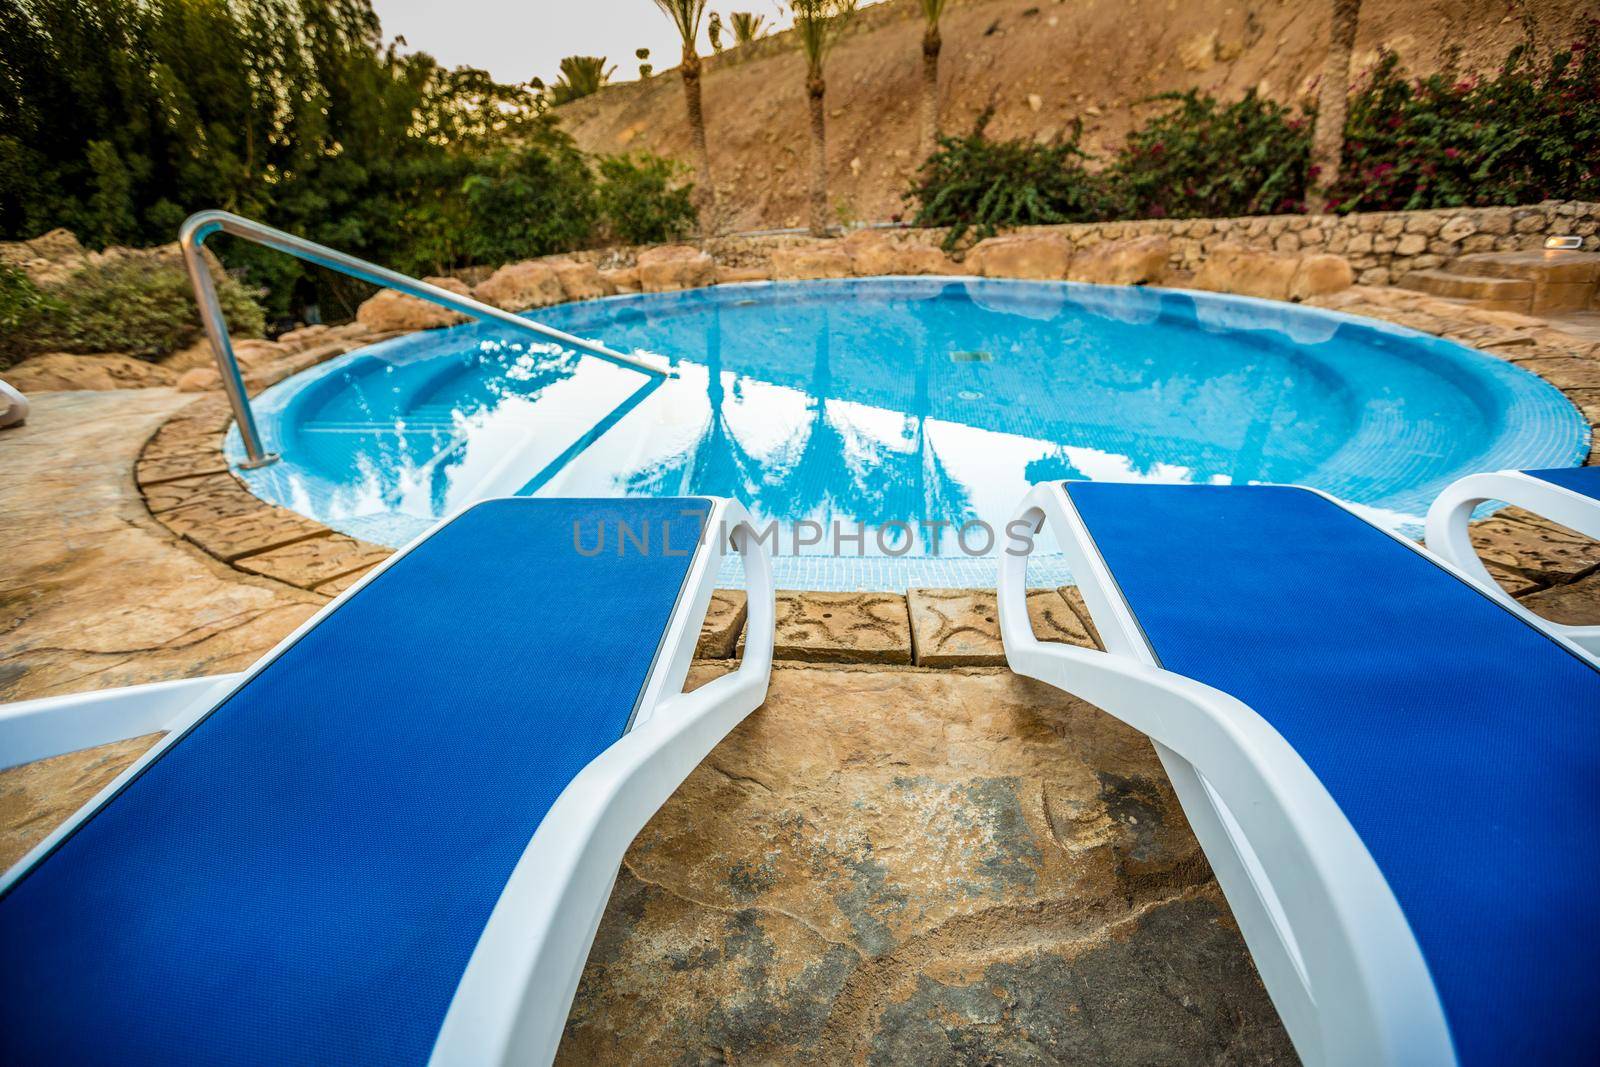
199	226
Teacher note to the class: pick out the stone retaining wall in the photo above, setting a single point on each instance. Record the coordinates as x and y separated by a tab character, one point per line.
1380	246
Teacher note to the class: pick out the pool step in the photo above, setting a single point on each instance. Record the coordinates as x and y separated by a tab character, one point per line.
1500	294
1535	282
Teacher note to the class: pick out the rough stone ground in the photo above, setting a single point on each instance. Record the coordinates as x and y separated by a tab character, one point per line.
94	593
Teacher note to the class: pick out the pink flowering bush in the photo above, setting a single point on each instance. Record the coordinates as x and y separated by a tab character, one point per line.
1530	133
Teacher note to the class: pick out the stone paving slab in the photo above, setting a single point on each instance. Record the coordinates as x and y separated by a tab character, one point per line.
1514	582
232	537
724	622
1574	604
960	627
181	492
333	587
1565	372
842	627
1074	599
37	797
316	560
1541	551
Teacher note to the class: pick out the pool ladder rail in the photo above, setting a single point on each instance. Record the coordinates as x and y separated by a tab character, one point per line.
192	237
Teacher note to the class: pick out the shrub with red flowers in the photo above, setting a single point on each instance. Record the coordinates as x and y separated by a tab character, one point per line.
1530	133
1205	159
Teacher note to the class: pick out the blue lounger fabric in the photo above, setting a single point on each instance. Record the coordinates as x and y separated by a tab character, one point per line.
1582	480
302	878
1462	744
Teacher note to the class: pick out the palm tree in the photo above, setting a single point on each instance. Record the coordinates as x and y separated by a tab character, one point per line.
686	14
1327	139
818	23
932	12
580	77
746	26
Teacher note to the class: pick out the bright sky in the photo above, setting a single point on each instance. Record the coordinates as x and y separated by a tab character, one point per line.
514	40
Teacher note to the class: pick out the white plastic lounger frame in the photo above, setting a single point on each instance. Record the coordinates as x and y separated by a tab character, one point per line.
1448	532
1329	939
513	998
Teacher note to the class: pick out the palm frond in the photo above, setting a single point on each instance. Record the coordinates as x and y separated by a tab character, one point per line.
686	15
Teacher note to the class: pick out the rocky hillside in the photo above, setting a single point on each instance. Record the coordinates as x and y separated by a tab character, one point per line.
1041	63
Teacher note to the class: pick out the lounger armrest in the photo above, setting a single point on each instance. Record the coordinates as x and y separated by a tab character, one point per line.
1449	535
50	726
755	669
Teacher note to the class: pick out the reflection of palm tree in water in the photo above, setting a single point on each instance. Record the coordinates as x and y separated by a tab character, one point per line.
824	471
854	477
715	464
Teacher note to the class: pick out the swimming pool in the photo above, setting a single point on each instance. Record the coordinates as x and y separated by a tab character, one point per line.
855	406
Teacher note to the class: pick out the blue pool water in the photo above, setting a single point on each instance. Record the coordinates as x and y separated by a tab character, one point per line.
865	403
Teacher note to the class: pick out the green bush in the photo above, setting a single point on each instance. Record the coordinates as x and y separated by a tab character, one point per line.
530	202
1205	159
22	306
134	305
980	185
644	200
1530	133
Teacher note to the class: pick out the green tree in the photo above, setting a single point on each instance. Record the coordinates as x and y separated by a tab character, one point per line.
685	16
747	26
818	24
643	200
581	76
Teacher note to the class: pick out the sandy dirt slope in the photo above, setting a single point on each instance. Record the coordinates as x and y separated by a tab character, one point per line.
1043	63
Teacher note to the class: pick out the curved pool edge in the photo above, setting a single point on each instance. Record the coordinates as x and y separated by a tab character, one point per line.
345	554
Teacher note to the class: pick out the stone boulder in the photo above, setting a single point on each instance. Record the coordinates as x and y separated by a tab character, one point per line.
874	252
108	370
47	259
734	275
1042	256
670	267
1135	261
202	376
520	286
394	310
827	260
621	279
1320	275
580	281
304	337
1247	272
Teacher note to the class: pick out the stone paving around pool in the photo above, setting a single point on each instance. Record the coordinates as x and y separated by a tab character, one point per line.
907	855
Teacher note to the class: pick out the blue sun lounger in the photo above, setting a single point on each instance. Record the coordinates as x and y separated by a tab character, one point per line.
1395	777
392	839
1569	496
